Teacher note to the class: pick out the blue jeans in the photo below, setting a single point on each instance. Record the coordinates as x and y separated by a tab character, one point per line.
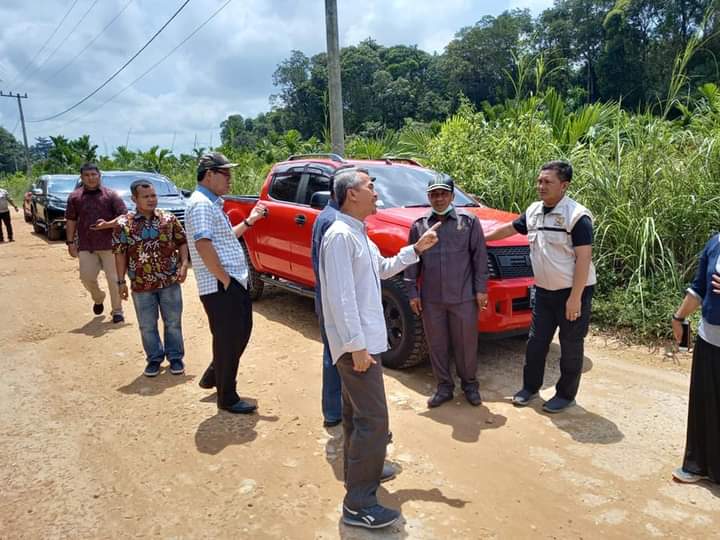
168	301
331	385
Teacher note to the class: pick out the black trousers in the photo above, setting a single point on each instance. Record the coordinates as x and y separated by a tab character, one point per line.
5	218
702	449
548	314
365	425
229	313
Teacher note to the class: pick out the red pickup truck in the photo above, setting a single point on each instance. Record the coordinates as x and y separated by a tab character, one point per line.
296	190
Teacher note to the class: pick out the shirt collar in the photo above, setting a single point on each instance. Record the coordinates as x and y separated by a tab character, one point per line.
354	223
209	194
156	213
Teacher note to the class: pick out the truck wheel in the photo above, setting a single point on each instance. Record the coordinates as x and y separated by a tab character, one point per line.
53	233
36	227
255	284
406	338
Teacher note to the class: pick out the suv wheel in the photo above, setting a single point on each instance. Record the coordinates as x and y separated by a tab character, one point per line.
406	338
53	233
36	226
255	284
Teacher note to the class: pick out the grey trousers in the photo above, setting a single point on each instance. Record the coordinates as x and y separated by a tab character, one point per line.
456	325
365	423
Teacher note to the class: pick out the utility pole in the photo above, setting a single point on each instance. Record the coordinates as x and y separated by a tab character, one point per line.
337	131
28	167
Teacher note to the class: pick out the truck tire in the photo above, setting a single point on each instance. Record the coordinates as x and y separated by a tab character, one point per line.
255	284
53	233
37	228
406	338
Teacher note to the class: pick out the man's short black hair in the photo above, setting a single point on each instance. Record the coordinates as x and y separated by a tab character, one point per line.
563	169
89	166
140	183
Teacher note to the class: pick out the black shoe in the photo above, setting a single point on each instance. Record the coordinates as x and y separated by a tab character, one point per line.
438	399
241	407
11	240
473	397
207	385
373	517
118	318
388	473
98	308
332	423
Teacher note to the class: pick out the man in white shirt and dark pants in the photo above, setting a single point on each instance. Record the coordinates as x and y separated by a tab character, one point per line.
350	269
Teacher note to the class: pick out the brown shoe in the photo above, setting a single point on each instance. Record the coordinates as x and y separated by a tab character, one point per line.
438	399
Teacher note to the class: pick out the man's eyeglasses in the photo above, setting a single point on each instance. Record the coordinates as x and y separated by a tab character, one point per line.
223	172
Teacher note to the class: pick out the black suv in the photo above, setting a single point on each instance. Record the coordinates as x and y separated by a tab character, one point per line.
48	203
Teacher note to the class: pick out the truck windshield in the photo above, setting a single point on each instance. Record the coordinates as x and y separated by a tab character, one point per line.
405	186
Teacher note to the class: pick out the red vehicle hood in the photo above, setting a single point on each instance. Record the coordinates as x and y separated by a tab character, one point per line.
489	218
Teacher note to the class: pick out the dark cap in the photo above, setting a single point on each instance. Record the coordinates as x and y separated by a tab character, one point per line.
441	182
214	160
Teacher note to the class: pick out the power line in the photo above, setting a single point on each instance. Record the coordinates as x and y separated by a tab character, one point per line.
156	64
47	40
126	64
62	41
91	42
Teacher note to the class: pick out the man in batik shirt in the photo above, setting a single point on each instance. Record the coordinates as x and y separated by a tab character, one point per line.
150	246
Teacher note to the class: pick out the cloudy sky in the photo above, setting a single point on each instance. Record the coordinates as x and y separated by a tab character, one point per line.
226	68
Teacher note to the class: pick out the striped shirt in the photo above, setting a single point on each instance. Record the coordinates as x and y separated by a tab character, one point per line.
205	219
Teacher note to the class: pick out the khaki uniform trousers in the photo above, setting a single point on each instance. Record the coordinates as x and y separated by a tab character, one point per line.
91	262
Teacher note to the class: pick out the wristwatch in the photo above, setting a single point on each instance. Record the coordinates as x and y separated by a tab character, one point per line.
121	282
678	319
247	223
69	242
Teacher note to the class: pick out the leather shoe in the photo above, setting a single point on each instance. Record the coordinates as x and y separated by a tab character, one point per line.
473	397
207	385
241	407
438	399
388	473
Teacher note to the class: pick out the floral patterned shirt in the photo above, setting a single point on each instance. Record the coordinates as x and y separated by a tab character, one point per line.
152	248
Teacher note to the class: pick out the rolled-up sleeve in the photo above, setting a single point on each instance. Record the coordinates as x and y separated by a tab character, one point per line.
336	277
478	251
199	220
412	272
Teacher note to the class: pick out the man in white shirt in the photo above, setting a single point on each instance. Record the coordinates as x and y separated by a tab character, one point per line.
350	270
5	201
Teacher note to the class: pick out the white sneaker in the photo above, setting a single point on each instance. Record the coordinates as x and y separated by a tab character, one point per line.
681	475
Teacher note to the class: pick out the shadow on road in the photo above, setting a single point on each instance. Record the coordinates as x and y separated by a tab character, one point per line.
153	386
97	327
225	429
467	422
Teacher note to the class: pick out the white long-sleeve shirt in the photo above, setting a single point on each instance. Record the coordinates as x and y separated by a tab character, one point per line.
351	268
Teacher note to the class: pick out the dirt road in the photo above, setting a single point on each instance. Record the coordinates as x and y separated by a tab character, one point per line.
91	449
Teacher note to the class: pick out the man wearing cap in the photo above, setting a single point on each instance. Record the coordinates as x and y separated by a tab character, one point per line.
221	272
447	287
560	233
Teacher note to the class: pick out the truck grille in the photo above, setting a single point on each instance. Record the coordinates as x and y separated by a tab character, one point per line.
509	262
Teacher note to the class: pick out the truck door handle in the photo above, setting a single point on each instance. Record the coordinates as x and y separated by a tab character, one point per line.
300	219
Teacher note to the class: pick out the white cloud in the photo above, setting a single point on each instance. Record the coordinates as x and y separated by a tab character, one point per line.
225	69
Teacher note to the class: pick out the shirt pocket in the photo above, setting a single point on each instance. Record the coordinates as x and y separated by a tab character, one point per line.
556	238
458	240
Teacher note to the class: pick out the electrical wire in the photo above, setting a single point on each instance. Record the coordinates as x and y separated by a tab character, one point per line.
46	42
126	64
91	42
62	41
156	64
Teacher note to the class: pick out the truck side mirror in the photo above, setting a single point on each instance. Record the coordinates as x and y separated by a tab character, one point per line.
319	199
185	192
37	191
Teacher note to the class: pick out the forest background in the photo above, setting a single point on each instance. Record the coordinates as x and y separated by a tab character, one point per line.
626	90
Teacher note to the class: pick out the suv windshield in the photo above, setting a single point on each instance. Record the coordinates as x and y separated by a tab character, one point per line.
64	185
121	184
406	186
